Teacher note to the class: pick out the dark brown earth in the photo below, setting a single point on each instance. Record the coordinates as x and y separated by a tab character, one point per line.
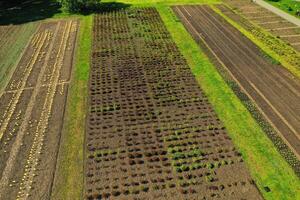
266	19
275	90
151	132
32	110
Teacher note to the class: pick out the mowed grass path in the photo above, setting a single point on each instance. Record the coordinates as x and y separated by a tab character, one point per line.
266	165
68	182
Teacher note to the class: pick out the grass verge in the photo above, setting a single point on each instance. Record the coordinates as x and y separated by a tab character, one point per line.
290	6
266	165
272	46
68	181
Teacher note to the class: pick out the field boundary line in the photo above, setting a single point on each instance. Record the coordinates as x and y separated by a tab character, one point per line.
32	87
68	83
233	77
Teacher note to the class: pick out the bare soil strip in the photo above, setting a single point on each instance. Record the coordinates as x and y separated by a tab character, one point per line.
151	132
274	89
266	18
32	116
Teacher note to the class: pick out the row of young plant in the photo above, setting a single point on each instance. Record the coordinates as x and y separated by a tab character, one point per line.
257	115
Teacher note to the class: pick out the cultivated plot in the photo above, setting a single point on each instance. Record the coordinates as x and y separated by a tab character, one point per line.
32	109
273	23
151	132
275	91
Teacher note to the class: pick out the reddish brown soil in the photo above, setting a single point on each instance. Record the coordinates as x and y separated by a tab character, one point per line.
262	16
274	89
32	110
151	132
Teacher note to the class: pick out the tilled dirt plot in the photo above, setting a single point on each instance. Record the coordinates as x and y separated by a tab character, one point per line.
32	109
151	132
274	89
268	20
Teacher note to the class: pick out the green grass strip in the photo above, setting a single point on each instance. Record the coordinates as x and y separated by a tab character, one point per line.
266	165
289	6
275	48
69	174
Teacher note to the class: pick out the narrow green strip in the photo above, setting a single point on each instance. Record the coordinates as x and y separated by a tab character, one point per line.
68	182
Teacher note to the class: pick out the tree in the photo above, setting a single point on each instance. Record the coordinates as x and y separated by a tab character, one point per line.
80	5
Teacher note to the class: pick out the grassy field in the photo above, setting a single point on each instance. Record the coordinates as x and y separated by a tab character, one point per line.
289	6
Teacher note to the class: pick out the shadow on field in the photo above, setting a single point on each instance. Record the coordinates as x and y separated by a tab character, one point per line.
22	11
104	7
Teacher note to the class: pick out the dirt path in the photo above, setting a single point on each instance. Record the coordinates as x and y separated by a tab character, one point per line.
274	89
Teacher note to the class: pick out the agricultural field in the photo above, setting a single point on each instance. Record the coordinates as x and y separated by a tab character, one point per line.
32	111
272	88
288	32
151	131
155	99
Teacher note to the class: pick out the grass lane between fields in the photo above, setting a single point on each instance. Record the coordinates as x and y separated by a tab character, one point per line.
68	181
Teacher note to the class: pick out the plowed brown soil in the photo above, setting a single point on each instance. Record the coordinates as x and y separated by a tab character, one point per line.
32	109
151	132
275	90
262	16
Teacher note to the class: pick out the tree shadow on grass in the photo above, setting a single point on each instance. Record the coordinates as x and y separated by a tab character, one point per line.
22	11
105	7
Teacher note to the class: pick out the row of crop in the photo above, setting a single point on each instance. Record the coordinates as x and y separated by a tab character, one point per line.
43	122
